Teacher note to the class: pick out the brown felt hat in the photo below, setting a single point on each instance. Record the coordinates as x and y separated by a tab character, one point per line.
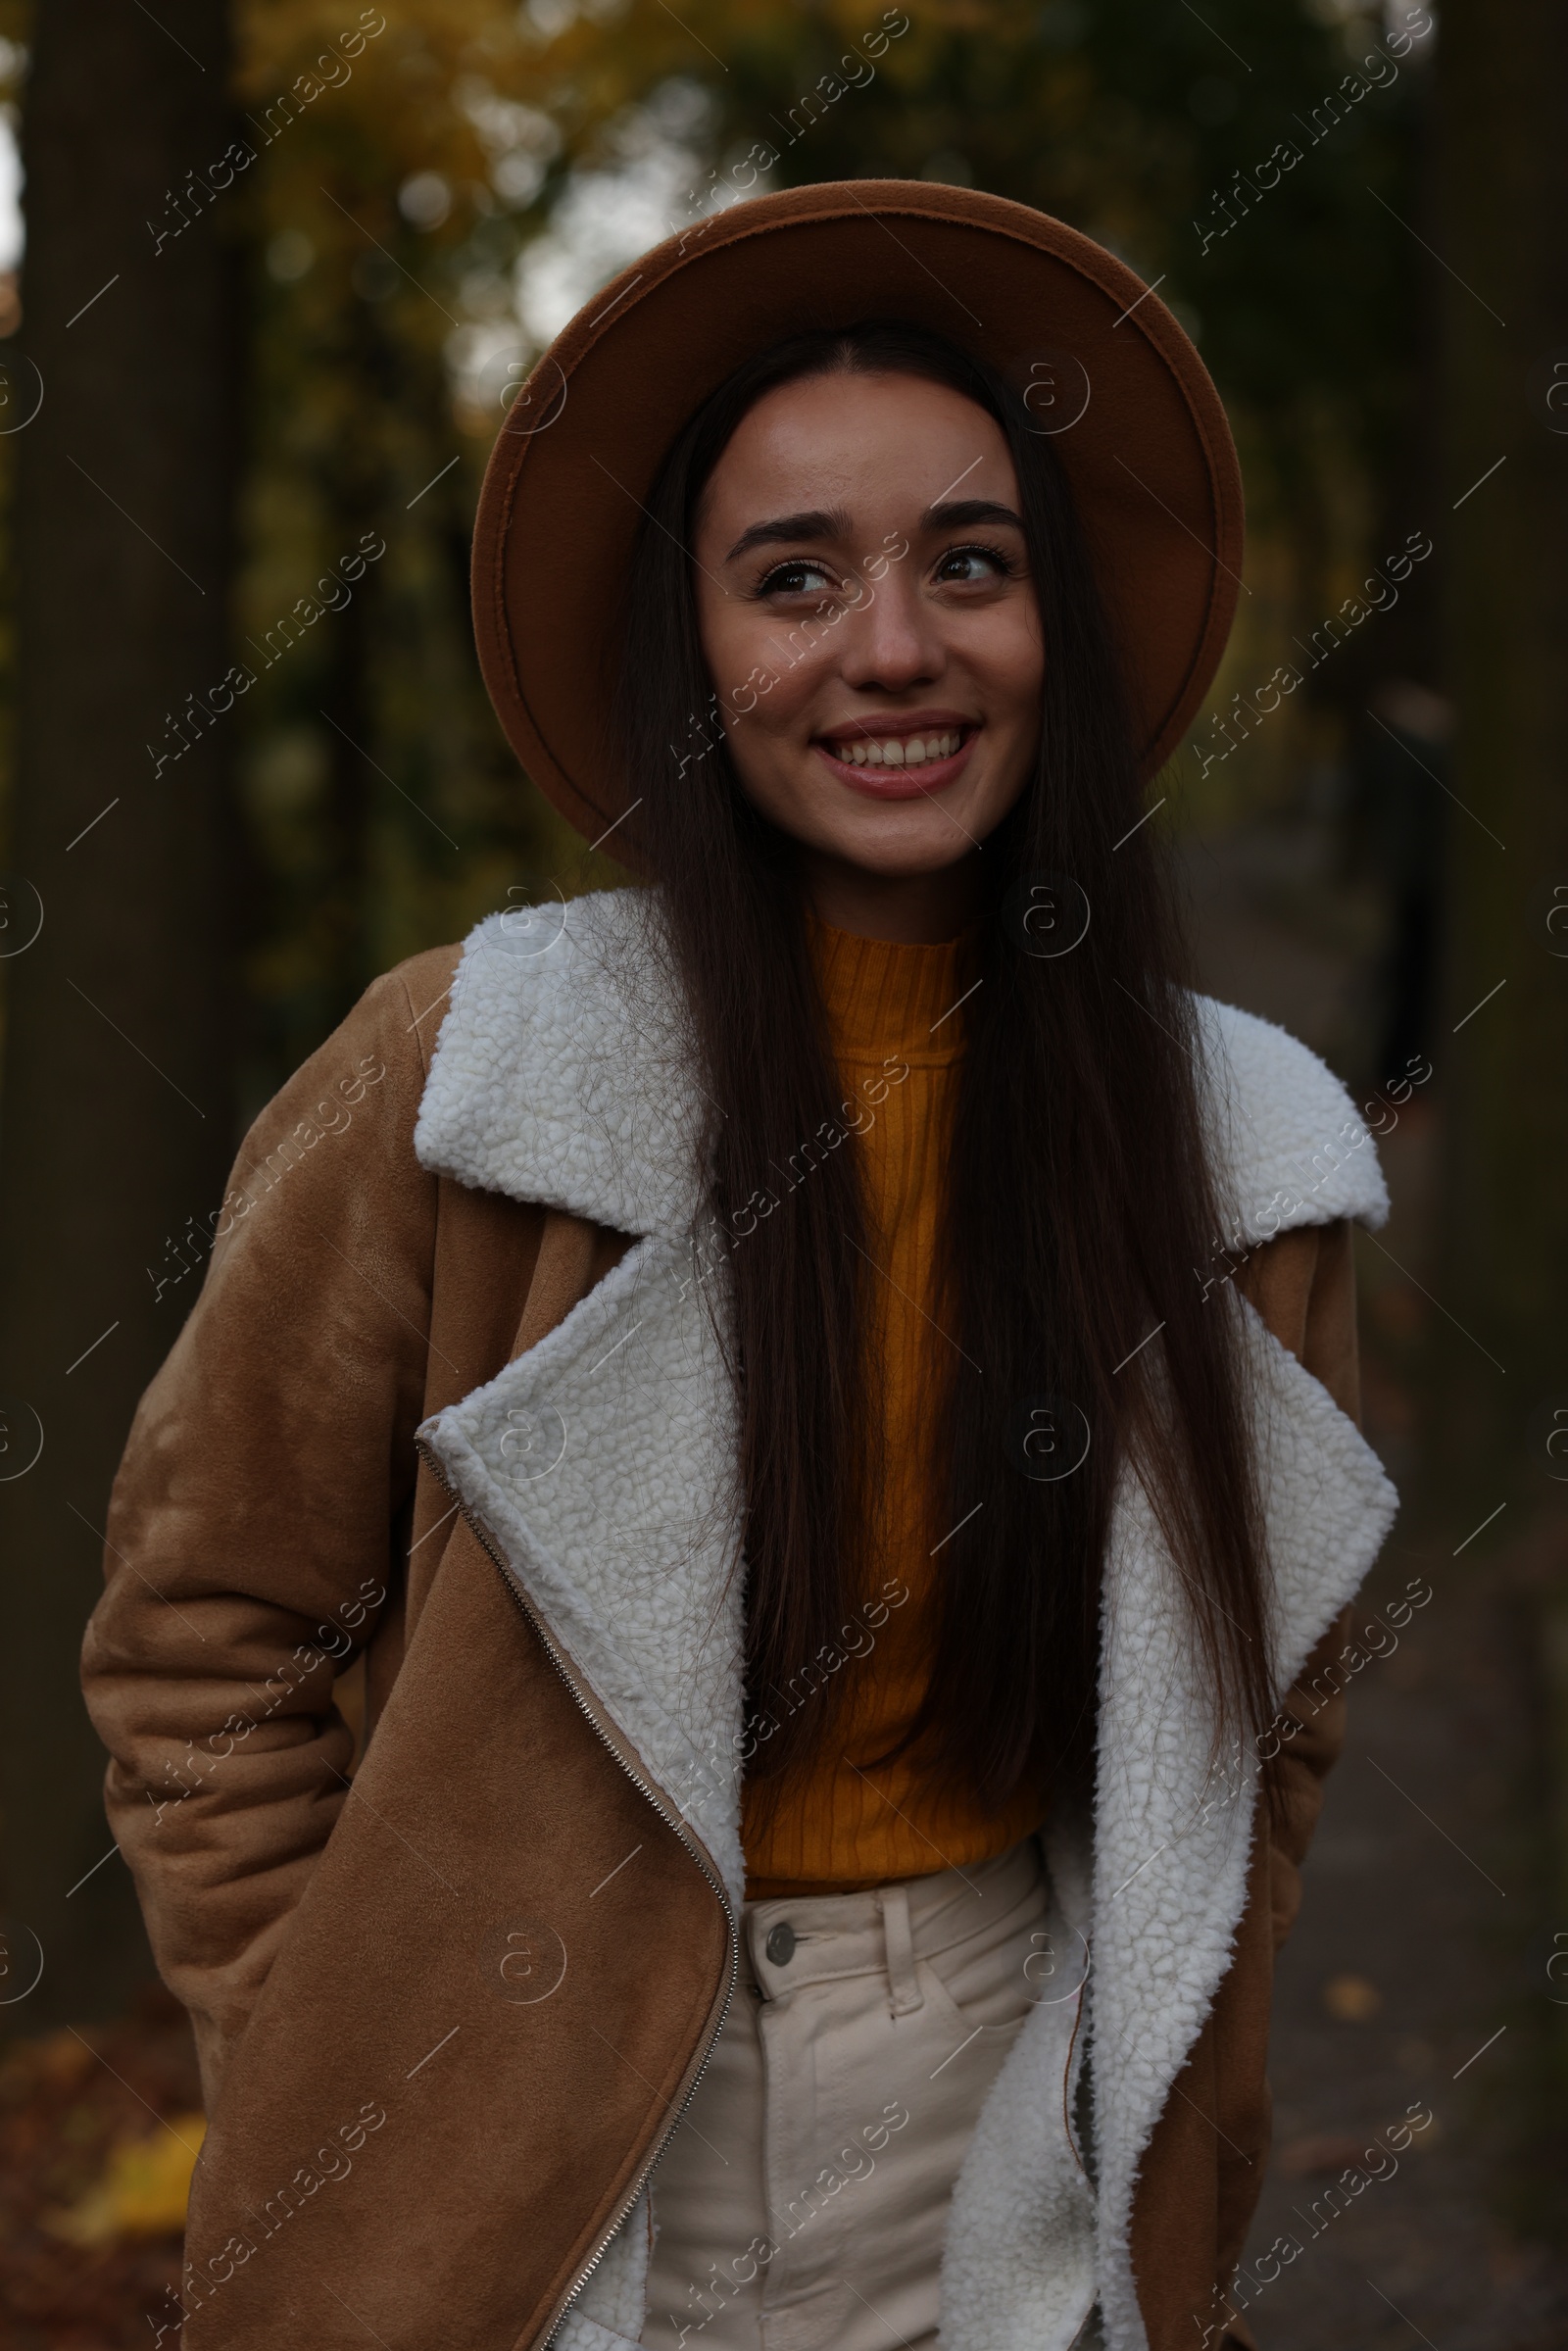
1100	363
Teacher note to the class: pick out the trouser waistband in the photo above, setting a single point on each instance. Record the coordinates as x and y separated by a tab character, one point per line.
791	1942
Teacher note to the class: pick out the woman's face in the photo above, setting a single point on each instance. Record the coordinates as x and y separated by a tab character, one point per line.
869	624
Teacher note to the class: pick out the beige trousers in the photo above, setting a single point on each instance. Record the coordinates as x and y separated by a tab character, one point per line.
802	2205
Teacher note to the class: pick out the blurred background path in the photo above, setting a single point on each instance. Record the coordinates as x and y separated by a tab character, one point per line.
1419	1943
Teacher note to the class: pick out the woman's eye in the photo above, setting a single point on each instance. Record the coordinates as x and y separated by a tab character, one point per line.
967	567
797	579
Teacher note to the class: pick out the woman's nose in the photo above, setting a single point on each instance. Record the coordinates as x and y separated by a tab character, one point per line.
893	639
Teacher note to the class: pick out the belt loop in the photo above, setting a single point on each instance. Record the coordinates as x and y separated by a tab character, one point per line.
893	1903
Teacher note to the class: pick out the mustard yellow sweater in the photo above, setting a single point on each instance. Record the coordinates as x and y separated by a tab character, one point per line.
842	1821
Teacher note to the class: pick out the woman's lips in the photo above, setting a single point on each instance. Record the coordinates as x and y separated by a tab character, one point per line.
901	783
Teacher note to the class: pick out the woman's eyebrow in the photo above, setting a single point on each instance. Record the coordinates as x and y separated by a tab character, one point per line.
962	513
816	522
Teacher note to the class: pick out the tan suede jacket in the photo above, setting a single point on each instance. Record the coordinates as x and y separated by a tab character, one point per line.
393	2152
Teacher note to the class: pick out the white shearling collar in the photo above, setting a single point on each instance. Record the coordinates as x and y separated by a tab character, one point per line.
559	1076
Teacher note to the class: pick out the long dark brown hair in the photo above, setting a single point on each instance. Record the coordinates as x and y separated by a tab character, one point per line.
1081	1213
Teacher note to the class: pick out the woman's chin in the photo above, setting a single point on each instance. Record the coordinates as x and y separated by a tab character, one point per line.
903	834
903	842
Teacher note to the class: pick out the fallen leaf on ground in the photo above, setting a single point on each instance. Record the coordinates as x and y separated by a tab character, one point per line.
143	2191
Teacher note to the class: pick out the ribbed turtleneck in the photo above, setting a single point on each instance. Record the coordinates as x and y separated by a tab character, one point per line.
895	1016
885	998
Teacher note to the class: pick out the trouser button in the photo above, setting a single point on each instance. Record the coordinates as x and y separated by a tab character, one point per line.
781	1944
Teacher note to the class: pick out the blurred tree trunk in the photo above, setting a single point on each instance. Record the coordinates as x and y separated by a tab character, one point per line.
116	1121
355	495
1503	532
1502	1047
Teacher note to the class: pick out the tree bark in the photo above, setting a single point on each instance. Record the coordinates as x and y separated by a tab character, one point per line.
1501	1429
1503	1048
117	1120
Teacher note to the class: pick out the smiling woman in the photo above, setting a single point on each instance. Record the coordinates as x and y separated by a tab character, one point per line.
1018	1185
906	734
835	1215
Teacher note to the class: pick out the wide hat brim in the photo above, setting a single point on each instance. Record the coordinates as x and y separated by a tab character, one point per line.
1102	367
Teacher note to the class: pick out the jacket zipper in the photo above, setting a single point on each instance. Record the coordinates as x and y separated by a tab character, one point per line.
483	1536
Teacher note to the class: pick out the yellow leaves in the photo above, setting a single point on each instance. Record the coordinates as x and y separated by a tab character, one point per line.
143	2189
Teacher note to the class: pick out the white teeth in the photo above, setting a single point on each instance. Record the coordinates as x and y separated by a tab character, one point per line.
914	751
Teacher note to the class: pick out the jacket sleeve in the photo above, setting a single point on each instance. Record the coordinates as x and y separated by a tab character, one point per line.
251	1530
1304	1285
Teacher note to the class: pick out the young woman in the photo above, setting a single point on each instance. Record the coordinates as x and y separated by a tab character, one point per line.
815	1399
